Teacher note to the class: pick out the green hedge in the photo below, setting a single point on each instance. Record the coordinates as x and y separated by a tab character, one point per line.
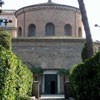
15	78
5	39
85	79
7	74
25	80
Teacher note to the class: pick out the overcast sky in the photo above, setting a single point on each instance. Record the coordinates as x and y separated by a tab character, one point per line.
92	7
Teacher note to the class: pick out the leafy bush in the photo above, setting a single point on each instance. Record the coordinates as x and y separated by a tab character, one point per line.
7	74
5	39
24	98
24	80
15	78
37	71
63	72
85	79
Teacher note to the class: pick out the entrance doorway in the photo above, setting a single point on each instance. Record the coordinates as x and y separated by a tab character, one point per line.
51	83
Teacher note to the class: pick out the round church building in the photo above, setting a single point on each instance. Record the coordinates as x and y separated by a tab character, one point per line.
49	35
48	19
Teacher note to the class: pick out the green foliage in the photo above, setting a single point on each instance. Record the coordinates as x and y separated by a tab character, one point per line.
24	98
5	39
7	74
63	72
37	72
15	78
25	80
85	79
84	52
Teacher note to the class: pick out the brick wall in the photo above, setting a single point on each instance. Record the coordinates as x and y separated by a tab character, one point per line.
49	53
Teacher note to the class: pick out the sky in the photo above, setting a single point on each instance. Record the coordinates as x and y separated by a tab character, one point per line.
92	7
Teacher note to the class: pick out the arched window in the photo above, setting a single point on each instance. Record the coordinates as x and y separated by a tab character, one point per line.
19	32
80	32
31	30
50	29
68	30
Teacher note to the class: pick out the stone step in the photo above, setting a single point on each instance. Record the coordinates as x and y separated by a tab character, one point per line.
52	97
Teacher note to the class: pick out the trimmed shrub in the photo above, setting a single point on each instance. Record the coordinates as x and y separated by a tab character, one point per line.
5	39
24	80
7	74
15	78
85	79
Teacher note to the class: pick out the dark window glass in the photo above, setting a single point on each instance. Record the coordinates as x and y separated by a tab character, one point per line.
19	32
50	29
31	30
68	30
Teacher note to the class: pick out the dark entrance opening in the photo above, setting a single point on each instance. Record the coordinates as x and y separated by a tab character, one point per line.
53	87
51	84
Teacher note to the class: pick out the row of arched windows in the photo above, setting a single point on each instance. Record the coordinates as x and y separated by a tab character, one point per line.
49	30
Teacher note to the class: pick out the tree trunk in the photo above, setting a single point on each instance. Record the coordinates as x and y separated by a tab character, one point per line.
86	28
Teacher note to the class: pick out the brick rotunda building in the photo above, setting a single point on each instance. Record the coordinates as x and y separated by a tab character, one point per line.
49	35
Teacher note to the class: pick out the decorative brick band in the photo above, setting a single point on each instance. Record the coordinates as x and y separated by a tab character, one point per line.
46	6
